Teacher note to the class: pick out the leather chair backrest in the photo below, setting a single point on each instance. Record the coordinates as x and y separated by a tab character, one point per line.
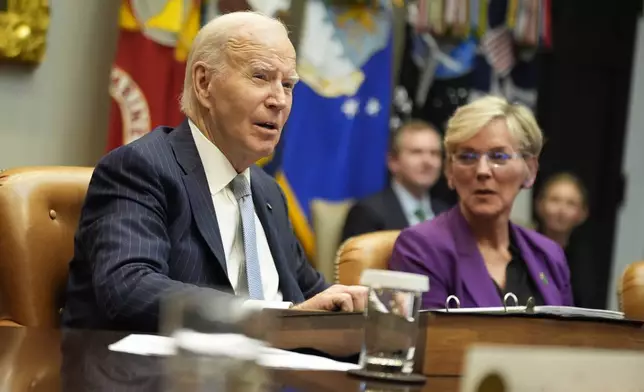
366	251
39	213
631	291
328	220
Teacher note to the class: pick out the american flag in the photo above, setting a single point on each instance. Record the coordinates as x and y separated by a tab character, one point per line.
499	50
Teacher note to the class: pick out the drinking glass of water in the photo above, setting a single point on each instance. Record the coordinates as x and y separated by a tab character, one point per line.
217	341
391	321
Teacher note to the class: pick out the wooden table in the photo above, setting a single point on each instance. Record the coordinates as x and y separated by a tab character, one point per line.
44	360
33	359
445	337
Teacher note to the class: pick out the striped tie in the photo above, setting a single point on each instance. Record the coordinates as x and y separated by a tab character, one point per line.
241	189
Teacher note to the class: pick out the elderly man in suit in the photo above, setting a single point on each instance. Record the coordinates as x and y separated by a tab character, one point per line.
415	161
186	209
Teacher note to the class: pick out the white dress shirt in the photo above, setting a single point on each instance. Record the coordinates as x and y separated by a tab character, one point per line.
219	174
410	204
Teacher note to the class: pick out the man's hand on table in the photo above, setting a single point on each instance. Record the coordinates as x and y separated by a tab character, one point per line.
337	297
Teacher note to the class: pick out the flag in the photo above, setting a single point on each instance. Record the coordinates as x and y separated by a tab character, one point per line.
498	48
503	68
147	75
334	144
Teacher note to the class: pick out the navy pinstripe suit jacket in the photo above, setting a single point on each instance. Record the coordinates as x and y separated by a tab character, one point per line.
148	228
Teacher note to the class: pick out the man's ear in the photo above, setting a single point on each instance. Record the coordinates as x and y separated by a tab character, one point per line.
201	79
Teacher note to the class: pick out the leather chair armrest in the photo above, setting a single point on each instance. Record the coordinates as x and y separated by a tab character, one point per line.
631	291
9	323
365	251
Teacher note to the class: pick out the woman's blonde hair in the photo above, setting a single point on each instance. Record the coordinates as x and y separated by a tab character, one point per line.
468	120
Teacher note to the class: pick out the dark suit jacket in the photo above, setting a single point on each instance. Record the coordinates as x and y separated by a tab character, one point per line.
381	211
445	250
148	228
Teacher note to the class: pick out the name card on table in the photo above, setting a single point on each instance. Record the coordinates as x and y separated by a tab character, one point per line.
518	368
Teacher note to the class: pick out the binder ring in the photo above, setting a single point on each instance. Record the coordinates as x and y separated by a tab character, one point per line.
505	300
530	305
449	299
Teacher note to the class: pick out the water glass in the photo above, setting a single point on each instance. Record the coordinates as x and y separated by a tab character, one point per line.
217	342
391	320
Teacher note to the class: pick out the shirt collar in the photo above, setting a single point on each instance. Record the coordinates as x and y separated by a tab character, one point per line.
219	171
409	202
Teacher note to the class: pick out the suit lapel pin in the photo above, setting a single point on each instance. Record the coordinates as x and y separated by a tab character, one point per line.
543	277
269	206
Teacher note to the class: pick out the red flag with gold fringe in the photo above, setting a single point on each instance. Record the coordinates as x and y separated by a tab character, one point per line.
148	71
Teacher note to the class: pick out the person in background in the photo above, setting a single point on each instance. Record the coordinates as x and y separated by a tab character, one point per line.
562	205
562	208
473	251
185	209
414	160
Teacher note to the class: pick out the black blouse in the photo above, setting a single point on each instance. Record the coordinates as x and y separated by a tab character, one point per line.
518	280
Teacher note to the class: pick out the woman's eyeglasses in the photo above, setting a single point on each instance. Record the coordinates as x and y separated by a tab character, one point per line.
494	158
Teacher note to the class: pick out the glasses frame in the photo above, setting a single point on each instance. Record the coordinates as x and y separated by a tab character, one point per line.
480	155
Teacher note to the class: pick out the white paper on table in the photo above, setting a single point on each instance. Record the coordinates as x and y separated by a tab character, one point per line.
276	358
144	345
268	356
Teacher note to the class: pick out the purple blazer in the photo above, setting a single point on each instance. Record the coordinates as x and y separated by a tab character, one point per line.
445	250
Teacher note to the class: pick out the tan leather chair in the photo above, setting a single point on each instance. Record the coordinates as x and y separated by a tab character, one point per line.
631	291
39	213
366	251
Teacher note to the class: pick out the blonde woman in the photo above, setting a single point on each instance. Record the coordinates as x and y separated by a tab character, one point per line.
473	251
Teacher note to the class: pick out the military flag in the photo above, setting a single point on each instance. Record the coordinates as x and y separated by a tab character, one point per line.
335	141
148	71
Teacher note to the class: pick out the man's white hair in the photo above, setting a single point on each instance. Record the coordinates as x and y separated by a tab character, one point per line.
210	46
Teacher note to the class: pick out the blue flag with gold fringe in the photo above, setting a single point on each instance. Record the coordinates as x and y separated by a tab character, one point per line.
335	141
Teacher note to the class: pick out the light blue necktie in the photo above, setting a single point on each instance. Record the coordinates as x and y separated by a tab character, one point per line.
241	189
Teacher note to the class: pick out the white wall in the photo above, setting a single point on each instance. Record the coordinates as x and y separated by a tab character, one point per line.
629	235
57	113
